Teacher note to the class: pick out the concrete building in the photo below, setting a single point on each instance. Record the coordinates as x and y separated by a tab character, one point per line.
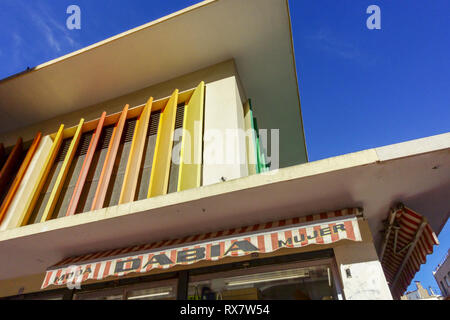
442	276
104	197
421	294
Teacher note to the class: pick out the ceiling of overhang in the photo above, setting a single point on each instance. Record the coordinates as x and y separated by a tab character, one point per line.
376	184
254	32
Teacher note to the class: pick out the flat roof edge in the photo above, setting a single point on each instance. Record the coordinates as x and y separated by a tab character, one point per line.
108	40
414	147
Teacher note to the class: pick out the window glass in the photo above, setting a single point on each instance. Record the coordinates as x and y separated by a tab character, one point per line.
160	290
443	288
117	294
301	283
160	293
43	296
447	280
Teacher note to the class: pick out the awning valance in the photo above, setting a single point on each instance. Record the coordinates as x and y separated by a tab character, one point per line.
322	228
407	242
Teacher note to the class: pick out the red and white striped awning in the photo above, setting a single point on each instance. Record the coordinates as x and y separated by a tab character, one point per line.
322	228
408	241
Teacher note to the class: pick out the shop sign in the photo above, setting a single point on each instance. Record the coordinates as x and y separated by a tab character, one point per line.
264	242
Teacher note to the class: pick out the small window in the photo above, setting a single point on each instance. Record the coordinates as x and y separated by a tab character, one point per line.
444	291
447	279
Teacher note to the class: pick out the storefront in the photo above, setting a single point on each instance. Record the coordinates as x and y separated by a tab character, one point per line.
257	262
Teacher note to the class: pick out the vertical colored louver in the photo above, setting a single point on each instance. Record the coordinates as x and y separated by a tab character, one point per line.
45	169
49	208
71	210
261	162
159	179
53	177
250	140
105	176
9	168
131	177
192	142
18	179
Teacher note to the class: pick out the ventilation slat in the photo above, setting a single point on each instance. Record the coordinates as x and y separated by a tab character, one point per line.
154	123
174	168
128	133
84	143
63	150
180	116
106	137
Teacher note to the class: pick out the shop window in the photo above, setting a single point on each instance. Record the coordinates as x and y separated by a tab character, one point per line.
158	290
39	296
114	294
161	293
298	282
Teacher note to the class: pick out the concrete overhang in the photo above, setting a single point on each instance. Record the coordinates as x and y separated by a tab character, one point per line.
256	33
416	173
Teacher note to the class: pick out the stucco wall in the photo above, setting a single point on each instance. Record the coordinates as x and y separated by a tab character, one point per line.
224	148
360	270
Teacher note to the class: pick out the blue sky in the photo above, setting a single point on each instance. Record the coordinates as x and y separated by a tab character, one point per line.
359	88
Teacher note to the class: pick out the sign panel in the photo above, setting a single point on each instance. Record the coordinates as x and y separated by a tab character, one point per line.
266	241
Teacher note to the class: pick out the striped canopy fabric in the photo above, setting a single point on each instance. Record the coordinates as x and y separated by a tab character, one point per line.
322	228
409	239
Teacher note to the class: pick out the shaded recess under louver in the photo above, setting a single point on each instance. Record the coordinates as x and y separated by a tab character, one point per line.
44	196
72	176
174	168
15	165
120	165
90	186
147	157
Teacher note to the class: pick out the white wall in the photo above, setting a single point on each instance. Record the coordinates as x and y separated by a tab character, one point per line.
224	154
366	280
